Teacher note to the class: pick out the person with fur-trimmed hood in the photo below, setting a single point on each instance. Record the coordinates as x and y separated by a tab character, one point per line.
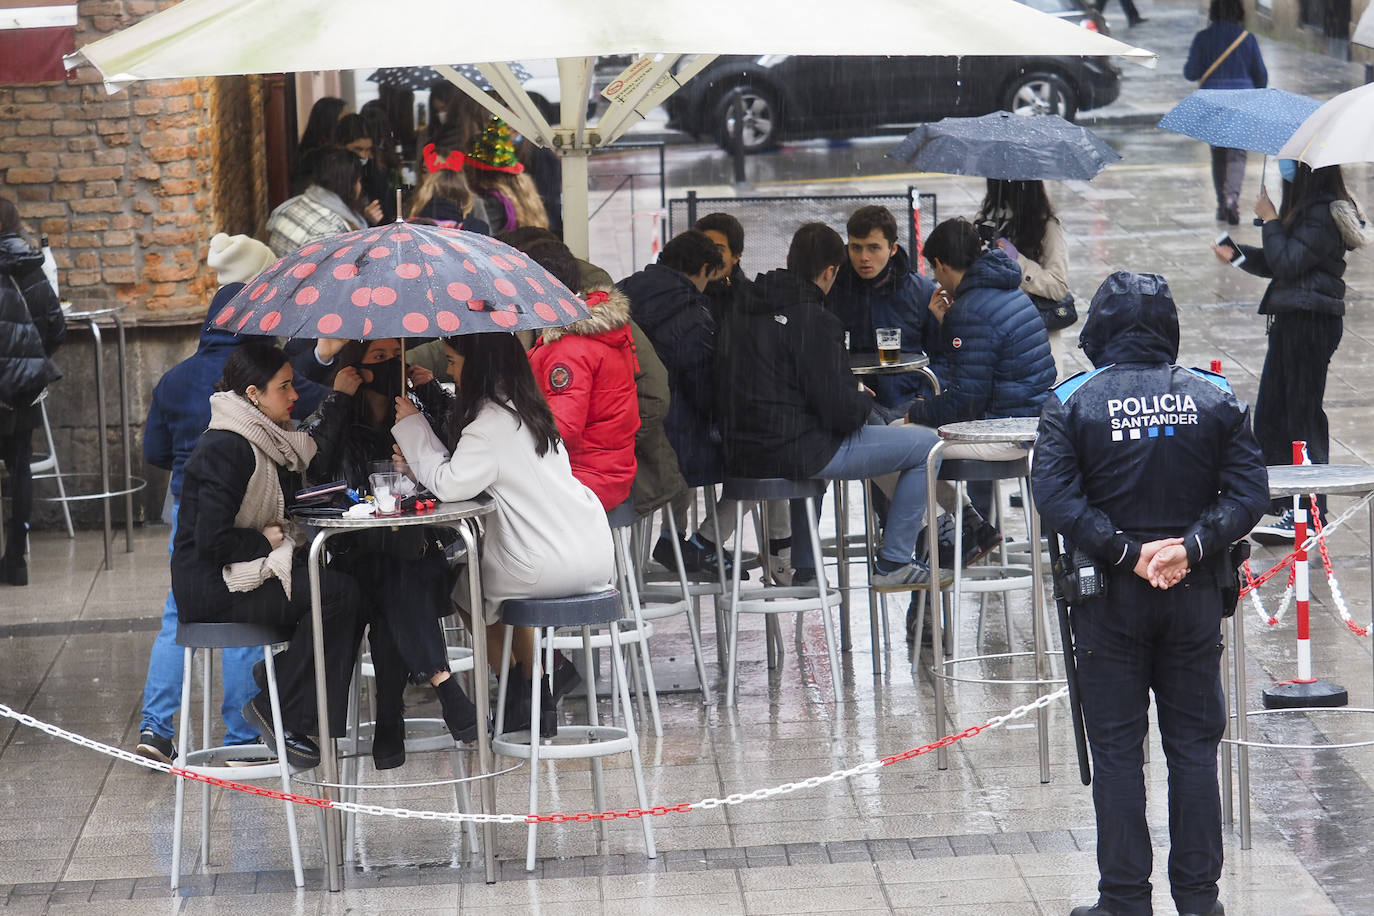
587	373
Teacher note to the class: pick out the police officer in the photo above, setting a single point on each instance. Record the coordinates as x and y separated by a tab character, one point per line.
1151	470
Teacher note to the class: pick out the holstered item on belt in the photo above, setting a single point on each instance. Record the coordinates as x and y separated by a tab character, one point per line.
1231	578
1076	577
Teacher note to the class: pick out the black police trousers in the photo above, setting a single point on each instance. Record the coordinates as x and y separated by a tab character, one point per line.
1135	640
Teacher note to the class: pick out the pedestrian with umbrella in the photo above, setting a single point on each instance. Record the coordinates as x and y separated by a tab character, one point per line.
1302	253
1018	218
1226	56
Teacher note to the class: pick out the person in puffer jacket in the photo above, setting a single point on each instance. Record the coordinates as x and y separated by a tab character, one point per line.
992	355
32	327
587	373
1304	241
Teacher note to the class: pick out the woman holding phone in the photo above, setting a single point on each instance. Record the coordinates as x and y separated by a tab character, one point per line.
1302	253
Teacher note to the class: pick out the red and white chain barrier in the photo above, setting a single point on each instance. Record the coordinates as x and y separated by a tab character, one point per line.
704	804
1317	539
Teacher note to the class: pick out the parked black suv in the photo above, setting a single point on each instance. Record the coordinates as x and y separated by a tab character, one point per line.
811	96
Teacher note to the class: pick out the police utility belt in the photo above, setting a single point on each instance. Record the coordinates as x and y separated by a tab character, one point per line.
1078	577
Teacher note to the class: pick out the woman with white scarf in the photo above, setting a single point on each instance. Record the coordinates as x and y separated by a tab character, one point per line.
233	558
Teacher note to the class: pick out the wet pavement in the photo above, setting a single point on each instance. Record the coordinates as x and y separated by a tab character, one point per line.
80	833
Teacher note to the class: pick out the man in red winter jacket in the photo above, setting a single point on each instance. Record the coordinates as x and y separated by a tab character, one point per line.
587	373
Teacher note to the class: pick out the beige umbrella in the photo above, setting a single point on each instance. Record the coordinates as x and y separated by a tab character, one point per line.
224	37
1340	131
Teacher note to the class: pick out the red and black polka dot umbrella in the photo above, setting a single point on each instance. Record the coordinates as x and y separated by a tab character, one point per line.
400	280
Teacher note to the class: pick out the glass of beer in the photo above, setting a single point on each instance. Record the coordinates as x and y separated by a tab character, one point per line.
889	345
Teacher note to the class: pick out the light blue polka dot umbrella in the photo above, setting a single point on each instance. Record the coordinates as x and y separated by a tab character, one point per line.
1258	120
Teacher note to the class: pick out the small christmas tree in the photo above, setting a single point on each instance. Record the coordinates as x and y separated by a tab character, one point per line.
494	149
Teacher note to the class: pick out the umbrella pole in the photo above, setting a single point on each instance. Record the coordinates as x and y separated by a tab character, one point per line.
403	350
400	216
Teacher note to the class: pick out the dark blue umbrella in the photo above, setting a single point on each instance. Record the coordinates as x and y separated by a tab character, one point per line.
1259	120
1008	146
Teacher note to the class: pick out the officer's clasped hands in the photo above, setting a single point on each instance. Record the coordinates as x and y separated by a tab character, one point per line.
1163	563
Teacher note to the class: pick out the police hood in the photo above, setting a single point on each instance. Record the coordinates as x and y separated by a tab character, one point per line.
1132	319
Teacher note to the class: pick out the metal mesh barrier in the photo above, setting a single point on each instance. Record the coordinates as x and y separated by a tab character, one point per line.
769	222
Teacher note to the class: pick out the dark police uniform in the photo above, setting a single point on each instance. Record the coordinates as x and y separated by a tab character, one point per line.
1136	450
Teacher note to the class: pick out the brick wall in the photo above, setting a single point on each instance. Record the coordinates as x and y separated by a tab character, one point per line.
129	188
120	184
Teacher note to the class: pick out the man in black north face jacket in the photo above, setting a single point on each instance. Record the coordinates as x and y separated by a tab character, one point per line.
1152	470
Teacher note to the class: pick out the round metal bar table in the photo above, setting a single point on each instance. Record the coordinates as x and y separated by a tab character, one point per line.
865	364
1009	431
1284	480
460	516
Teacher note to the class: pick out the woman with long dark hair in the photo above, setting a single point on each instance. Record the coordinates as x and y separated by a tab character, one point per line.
548	537
1022	222
402	573
320	134
234	558
355	135
32	327
1303	255
331	205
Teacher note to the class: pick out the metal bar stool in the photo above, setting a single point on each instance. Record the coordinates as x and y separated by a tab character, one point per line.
45	466
622	520
207	759
663	601
1012	431
591	741
771	599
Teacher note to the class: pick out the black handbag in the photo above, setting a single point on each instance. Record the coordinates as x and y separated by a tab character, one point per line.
1057	314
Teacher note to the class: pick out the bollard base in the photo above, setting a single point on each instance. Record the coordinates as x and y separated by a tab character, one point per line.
1295	695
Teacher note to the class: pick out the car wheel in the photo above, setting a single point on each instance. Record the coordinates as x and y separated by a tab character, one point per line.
1041	93
762	123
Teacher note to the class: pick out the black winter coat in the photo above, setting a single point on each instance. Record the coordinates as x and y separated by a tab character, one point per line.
785	395
359	442
214	480
32	327
993	358
1305	261
678	322
1140	448
896	298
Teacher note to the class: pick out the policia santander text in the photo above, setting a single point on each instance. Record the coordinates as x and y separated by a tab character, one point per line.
1150	469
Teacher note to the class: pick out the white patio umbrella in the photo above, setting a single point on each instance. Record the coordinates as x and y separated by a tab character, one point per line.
227	37
1340	131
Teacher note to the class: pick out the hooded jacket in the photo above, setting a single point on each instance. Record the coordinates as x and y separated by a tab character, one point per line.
897	298
1306	260
678	321
785	395
658	479
31	329
993	358
1141	448
587	372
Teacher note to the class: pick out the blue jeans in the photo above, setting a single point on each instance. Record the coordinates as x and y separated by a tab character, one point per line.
872	451
162	691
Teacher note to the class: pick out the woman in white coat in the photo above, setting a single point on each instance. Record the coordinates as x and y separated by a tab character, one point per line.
548	537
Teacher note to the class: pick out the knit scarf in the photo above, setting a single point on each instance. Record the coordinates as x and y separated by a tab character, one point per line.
263	503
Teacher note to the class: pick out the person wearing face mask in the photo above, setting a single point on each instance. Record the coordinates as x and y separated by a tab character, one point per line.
331	205
402	573
1302	252
356	135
